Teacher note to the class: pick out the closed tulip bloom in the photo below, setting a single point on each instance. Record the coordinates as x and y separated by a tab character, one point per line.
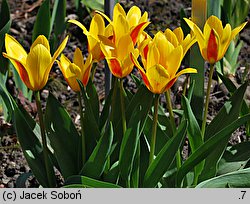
214	40
35	66
176	38
161	61
78	69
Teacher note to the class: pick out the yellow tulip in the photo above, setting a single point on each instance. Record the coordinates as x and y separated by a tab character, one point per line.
97	28
35	66
79	69
176	38
161	61
214	40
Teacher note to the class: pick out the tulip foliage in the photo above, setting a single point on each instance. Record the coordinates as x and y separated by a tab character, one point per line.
131	140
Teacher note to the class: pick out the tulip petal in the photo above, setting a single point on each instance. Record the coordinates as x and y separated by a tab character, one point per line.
78	58
121	27
237	30
59	50
37	66
171	37
115	67
174	62
124	47
118	10
41	39
15	49
212	48
186	71
63	65
133	16
179	34
97	26
214	23
85	31
158	78
153	56
137	31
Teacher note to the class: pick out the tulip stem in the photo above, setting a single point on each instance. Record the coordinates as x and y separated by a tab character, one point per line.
44	139
172	121
154	129
203	127
124	125
93	71
82	130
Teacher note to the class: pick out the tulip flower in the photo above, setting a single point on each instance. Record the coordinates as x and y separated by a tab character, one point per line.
176	38
214	40
35	66
161	61
97	27
79	69
126	31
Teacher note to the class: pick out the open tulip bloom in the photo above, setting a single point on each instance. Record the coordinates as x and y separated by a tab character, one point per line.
161	61
35	66
214	40
79	69
126	31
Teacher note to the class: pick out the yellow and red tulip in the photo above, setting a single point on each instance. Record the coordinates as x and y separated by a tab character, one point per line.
97	28
33	67
126	31
161	61
78	69
214	40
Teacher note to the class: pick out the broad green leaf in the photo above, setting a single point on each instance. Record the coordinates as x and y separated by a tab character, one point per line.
22	180
95	165
4	14
234	158
135	173
228	113
86	182
90	125
32	149
144	158
237	179
205	150
197	61
165	158
194	133
42	24
129	145
63	137
112	175
58	17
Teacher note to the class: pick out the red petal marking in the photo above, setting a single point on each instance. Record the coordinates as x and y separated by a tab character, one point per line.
144	78
170	84
145	51
212	48
116	68
23	74
135	32
85	78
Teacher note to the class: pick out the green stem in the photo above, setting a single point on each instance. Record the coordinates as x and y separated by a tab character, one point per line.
154	129
172	120
203	127
82	129
170	109
93	71
124	125
44	139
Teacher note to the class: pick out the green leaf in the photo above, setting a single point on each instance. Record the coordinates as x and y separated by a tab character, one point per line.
86	182
234	158
94	4
205	150
237	179
32	148
129	145
228	113
22	179
90	125
58	17
112	175
95	165
165	158
42	24
64	137
4	14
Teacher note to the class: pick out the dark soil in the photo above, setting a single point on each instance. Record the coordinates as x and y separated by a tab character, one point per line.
163	14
